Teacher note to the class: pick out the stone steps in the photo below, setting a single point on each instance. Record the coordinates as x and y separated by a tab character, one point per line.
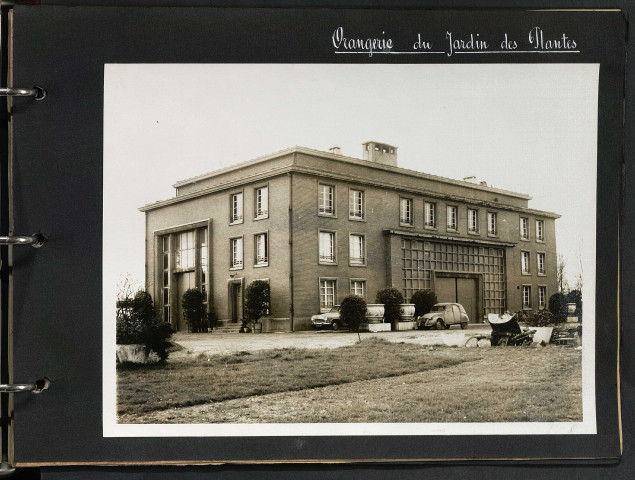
227	328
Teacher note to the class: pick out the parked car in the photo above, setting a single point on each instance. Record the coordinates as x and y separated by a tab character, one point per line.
444	315
328	319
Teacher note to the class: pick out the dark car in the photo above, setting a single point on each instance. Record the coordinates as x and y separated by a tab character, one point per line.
444	315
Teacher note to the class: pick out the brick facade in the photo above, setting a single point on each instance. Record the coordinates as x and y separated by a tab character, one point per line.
311	192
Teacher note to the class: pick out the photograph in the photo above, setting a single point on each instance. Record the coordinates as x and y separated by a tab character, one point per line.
349	249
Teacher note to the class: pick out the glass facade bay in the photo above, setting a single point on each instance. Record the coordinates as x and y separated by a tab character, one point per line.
420	259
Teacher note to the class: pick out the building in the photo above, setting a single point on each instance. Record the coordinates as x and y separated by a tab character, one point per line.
319	226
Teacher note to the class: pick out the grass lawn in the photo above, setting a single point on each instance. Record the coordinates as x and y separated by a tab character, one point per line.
373	381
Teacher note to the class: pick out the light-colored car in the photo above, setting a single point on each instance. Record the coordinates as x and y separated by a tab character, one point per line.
328	319
444	315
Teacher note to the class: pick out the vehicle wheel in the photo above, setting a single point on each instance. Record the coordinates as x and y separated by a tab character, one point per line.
502	342
440	325
335	324
472	342
463	325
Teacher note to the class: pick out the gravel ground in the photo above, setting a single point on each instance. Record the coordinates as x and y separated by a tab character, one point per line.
222	344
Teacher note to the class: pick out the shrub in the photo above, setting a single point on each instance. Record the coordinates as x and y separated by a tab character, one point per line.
353	312
156	339
134	316
194	310
136	324
575	296
423	300
257	300
391	298
541	318
212	319
558	306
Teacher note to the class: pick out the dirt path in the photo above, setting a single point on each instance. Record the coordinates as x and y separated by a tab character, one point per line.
211	344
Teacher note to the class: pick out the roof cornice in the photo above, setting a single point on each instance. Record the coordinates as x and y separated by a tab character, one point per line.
347	178
353	160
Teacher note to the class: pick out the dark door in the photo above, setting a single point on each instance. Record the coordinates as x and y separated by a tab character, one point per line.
185	282
467	295
459	290
445	289
236	302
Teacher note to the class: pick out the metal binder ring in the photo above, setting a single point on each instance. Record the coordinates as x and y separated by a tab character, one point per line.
37	92
36	240
38	387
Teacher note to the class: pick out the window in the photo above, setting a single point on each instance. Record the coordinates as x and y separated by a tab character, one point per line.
357	250
327	294
452	214
261	247
526	296
326	205
405	215
524	260
185	250
327	247
491	223
236	215
540	231
204	261
356	204
524	228
358	287
540	262
236	252
430	214
165	246
262	202
472	220
542	297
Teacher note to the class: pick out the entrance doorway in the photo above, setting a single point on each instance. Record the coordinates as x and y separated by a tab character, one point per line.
463	290
185	281
235	301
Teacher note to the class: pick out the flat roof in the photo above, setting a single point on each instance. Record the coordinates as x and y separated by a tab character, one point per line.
353	160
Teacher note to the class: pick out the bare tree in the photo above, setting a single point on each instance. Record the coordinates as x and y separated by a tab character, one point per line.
560	273
578	277
127	287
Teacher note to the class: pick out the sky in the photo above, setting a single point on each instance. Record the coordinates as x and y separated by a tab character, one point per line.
521	127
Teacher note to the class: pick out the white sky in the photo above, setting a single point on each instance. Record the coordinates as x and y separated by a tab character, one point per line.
526	128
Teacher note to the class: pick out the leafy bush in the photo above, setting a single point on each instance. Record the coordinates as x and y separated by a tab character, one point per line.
423	300
134	316
541	318
391	298
575	296
558	306
156	339
353	311
136	324
257	300
194	310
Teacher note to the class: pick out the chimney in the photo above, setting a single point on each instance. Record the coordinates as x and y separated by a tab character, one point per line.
380	153
335	150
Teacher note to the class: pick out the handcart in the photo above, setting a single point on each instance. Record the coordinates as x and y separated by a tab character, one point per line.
505	331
